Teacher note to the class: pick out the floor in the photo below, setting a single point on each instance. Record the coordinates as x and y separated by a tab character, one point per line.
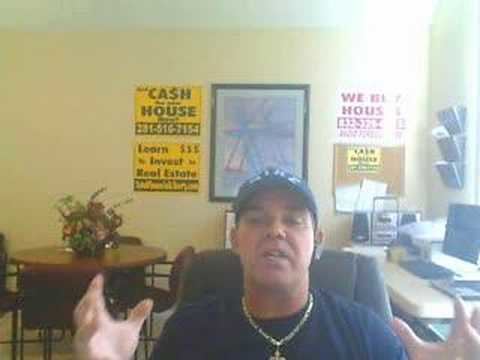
62	350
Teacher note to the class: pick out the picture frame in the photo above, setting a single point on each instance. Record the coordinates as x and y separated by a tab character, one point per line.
255	126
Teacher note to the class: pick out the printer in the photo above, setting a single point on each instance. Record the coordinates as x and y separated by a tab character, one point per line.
424	237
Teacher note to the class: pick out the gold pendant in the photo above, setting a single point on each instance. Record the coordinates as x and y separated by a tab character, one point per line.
277	356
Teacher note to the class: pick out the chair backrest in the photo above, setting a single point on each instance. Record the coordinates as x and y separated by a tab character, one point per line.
3	265
129	240
50	295
123	284
181	262
354	276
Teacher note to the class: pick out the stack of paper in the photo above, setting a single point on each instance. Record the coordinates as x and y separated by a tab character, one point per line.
359	197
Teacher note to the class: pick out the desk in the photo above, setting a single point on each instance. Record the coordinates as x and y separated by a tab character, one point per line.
412	295
426	309
416	297
125	256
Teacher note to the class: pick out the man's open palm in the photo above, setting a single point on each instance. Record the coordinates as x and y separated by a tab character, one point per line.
99	336
462	343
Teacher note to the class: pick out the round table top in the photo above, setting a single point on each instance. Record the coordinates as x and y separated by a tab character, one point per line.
125	256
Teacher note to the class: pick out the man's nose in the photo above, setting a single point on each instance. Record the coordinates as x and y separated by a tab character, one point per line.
276	230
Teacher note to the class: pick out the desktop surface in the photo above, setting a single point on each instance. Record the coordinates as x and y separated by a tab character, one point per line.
411	294
416	296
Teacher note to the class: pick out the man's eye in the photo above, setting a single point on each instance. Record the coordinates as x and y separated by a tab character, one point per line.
295	220
255	219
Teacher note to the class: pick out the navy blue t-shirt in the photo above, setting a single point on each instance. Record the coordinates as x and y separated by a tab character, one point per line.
217	329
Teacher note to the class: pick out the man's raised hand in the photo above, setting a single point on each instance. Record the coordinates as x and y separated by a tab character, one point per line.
98	335
462	343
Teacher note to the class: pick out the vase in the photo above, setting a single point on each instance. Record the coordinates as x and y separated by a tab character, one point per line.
95	251
99	249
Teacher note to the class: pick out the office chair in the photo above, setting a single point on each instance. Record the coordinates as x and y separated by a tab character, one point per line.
128	287
10	301
354	276
133	285
49	296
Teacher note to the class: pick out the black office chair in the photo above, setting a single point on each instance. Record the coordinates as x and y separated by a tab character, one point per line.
128	287
356	277
10	301
49	297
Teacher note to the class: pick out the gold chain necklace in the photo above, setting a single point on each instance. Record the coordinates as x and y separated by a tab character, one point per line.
277	343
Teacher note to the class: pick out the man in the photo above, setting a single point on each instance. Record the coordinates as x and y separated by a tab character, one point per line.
279	317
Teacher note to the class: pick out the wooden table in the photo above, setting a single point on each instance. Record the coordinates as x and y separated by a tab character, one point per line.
65	277
125	256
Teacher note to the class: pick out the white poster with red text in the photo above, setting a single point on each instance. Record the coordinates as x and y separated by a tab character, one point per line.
365	117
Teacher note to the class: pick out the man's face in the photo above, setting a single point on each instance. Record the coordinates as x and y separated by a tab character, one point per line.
275	241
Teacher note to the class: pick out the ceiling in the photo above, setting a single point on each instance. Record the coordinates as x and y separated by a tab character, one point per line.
67	15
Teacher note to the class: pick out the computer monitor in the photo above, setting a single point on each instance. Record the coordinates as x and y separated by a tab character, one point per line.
462	232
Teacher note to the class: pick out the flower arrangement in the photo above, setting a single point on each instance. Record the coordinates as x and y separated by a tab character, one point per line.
88	228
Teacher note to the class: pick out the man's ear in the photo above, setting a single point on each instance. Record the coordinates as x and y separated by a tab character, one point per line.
319	237
319	242
234	238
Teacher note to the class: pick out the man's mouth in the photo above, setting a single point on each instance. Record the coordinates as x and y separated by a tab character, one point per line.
275	255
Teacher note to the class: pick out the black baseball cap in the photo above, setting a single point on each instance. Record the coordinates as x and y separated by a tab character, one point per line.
271	178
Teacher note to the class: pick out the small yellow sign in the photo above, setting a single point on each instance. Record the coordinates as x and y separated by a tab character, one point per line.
168	110
166	167
364	159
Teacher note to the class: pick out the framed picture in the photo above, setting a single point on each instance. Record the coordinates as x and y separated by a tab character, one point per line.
255	127
229	224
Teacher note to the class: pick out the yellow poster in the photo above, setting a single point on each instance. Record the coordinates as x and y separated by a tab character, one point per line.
166	167
168	110
364	159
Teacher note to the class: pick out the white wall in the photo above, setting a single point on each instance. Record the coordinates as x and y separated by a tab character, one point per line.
67	116
454	79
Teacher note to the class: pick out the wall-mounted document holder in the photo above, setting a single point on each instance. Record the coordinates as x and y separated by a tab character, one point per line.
453	118
451	140
451	173
452	147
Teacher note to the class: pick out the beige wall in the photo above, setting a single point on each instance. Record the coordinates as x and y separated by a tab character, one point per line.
67	116
454	80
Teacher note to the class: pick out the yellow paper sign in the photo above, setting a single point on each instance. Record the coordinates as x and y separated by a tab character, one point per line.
364	159
166	167
168	110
